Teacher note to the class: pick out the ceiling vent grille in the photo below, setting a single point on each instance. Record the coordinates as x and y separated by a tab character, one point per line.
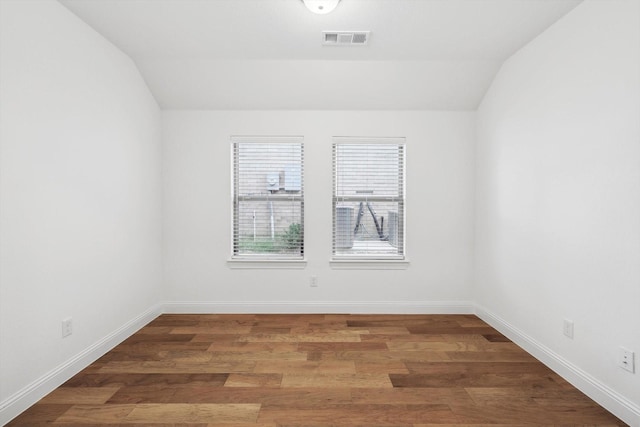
345	38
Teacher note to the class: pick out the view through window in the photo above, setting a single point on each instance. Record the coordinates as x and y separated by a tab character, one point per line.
268	197
368	198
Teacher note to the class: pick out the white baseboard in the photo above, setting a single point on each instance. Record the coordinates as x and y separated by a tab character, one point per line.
300	307
17	403
618	405
608	398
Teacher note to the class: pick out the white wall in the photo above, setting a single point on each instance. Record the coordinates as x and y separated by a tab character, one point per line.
558	207
197	213
80	193
558	193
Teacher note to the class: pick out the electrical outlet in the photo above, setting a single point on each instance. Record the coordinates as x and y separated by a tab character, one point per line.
67	327
313	281
626	359
567	328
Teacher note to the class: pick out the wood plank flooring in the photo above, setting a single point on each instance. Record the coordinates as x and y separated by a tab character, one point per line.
316	370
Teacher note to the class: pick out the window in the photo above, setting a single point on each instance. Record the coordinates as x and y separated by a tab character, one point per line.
268	198
368	198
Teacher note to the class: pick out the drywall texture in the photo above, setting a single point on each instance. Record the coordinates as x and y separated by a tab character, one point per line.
80	190
558	195
197	208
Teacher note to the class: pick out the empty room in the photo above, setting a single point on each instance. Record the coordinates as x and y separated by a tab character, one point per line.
319	212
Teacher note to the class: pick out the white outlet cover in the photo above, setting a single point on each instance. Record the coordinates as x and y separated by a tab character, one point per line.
568	328
67	327
626	360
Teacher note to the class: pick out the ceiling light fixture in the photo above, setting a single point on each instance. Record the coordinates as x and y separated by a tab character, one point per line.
321	7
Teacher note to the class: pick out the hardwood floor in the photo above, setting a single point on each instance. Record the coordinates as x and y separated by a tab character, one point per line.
316	370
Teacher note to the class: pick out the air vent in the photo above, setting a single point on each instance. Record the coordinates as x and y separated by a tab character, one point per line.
345	38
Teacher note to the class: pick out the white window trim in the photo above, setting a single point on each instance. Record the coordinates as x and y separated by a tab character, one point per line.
274	261
364	262
369	140
368	264
270	264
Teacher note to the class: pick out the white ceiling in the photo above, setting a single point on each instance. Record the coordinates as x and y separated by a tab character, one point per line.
267	54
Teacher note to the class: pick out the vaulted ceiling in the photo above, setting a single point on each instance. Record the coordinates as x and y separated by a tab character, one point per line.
268	54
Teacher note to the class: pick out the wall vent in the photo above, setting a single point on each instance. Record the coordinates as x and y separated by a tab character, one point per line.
345	38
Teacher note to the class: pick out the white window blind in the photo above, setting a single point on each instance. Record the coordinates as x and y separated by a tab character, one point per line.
368	198
268	197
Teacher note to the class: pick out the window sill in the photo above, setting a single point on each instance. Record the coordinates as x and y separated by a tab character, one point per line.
262	264
369	264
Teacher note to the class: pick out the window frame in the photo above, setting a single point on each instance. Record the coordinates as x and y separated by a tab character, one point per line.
267	260
371	261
